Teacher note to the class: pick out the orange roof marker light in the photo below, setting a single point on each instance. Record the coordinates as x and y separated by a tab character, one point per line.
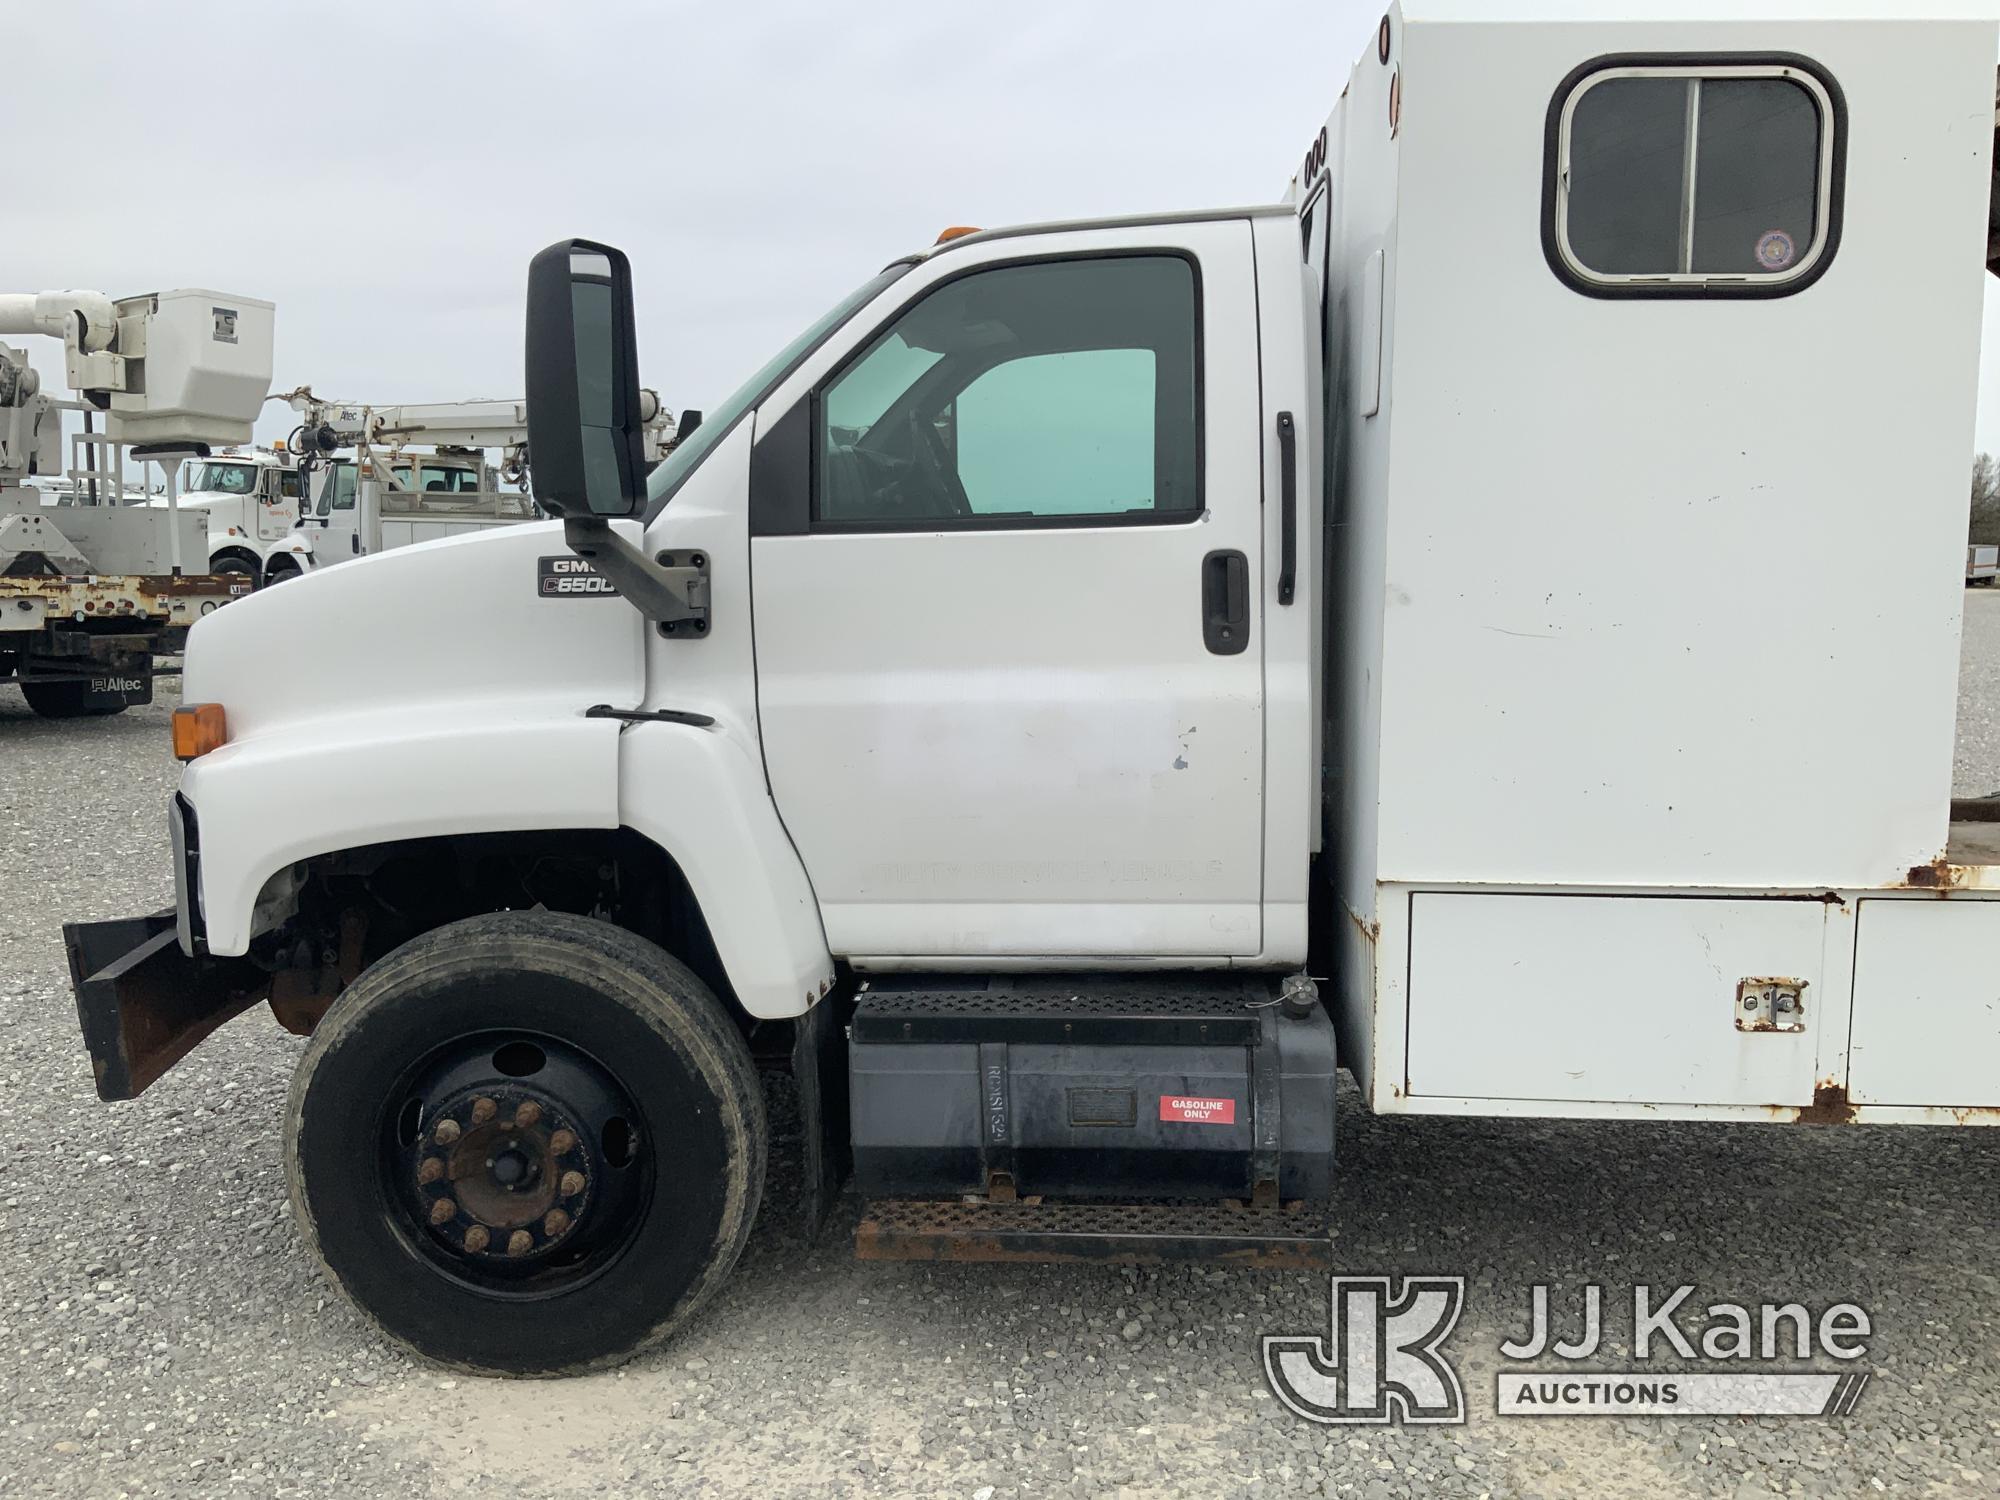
198	729
955	232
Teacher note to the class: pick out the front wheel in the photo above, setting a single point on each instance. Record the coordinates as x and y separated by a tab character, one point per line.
526	1144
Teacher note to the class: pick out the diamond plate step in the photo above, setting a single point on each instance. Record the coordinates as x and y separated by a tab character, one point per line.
1293	1237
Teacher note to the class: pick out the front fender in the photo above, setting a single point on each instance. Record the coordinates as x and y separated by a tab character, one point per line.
700	794
315	787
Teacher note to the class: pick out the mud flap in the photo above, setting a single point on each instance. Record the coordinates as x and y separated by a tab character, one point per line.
819	1066
143	1004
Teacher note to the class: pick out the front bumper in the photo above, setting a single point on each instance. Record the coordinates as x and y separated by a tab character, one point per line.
144	1004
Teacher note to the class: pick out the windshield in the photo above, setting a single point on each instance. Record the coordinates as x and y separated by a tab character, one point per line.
715	424
221	479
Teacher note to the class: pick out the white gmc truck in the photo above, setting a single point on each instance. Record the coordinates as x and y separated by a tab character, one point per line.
1101	674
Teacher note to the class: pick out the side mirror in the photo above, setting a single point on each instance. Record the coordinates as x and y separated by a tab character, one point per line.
584	420
586	429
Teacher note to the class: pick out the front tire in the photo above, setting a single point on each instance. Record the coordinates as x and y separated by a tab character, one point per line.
506	1060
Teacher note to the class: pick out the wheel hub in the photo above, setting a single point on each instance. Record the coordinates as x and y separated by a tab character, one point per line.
503	1173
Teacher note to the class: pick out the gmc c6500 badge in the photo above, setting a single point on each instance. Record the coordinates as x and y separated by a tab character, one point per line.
571	577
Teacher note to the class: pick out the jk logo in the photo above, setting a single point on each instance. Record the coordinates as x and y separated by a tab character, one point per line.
1381	1363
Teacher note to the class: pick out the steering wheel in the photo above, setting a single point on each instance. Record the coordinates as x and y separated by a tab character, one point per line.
929	450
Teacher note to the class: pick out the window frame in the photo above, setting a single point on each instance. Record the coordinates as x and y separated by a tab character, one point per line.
816	416
1830	183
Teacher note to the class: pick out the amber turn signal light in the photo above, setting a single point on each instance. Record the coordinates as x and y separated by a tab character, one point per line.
198	729
955	232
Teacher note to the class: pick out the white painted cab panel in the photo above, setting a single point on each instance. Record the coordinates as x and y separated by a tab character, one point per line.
1013	742
700	795
365	704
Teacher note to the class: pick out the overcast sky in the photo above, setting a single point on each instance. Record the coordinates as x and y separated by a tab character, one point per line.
383	171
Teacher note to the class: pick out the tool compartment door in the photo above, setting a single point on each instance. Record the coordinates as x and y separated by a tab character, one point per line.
1926	1004
998	712
1610	998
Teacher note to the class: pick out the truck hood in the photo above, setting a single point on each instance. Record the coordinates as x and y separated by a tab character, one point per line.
417	631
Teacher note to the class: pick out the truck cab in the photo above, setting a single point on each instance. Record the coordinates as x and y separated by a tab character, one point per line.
1103	673
251	500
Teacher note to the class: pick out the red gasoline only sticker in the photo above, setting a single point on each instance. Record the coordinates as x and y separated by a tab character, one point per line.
1198	1111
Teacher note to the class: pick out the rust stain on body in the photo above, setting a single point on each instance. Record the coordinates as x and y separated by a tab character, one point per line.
1830	1106
1939	875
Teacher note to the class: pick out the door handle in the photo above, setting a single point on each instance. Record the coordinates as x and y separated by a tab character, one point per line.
1288	507
1225	602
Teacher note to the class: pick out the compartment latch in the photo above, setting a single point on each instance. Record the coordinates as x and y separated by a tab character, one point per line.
1770	1004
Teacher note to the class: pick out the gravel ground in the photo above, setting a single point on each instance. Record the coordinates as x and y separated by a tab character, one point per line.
164	1335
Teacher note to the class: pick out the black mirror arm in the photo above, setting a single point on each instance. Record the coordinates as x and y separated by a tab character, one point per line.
670	590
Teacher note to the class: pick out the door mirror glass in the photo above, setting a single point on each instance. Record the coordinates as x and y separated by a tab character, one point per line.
585	446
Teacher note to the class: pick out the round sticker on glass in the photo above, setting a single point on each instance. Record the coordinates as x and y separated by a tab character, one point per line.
1775	250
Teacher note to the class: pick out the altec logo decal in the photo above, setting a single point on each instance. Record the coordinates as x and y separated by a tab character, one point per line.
1197	1111
571	578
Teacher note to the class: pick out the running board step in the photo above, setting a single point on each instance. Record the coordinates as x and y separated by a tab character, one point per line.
1297	1237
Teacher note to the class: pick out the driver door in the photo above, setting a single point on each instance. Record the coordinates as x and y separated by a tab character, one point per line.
278	504
1006	576
333	539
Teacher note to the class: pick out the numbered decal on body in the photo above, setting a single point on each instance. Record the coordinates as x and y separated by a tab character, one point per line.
570	578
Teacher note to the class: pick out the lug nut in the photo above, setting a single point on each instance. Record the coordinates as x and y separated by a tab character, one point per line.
562	1142
447	1131
430	1171
554	1222
476	1238
483	1109
527	1114
572	1183
520	1242
443	1212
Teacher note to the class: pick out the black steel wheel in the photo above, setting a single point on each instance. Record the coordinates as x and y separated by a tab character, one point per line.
526	1144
